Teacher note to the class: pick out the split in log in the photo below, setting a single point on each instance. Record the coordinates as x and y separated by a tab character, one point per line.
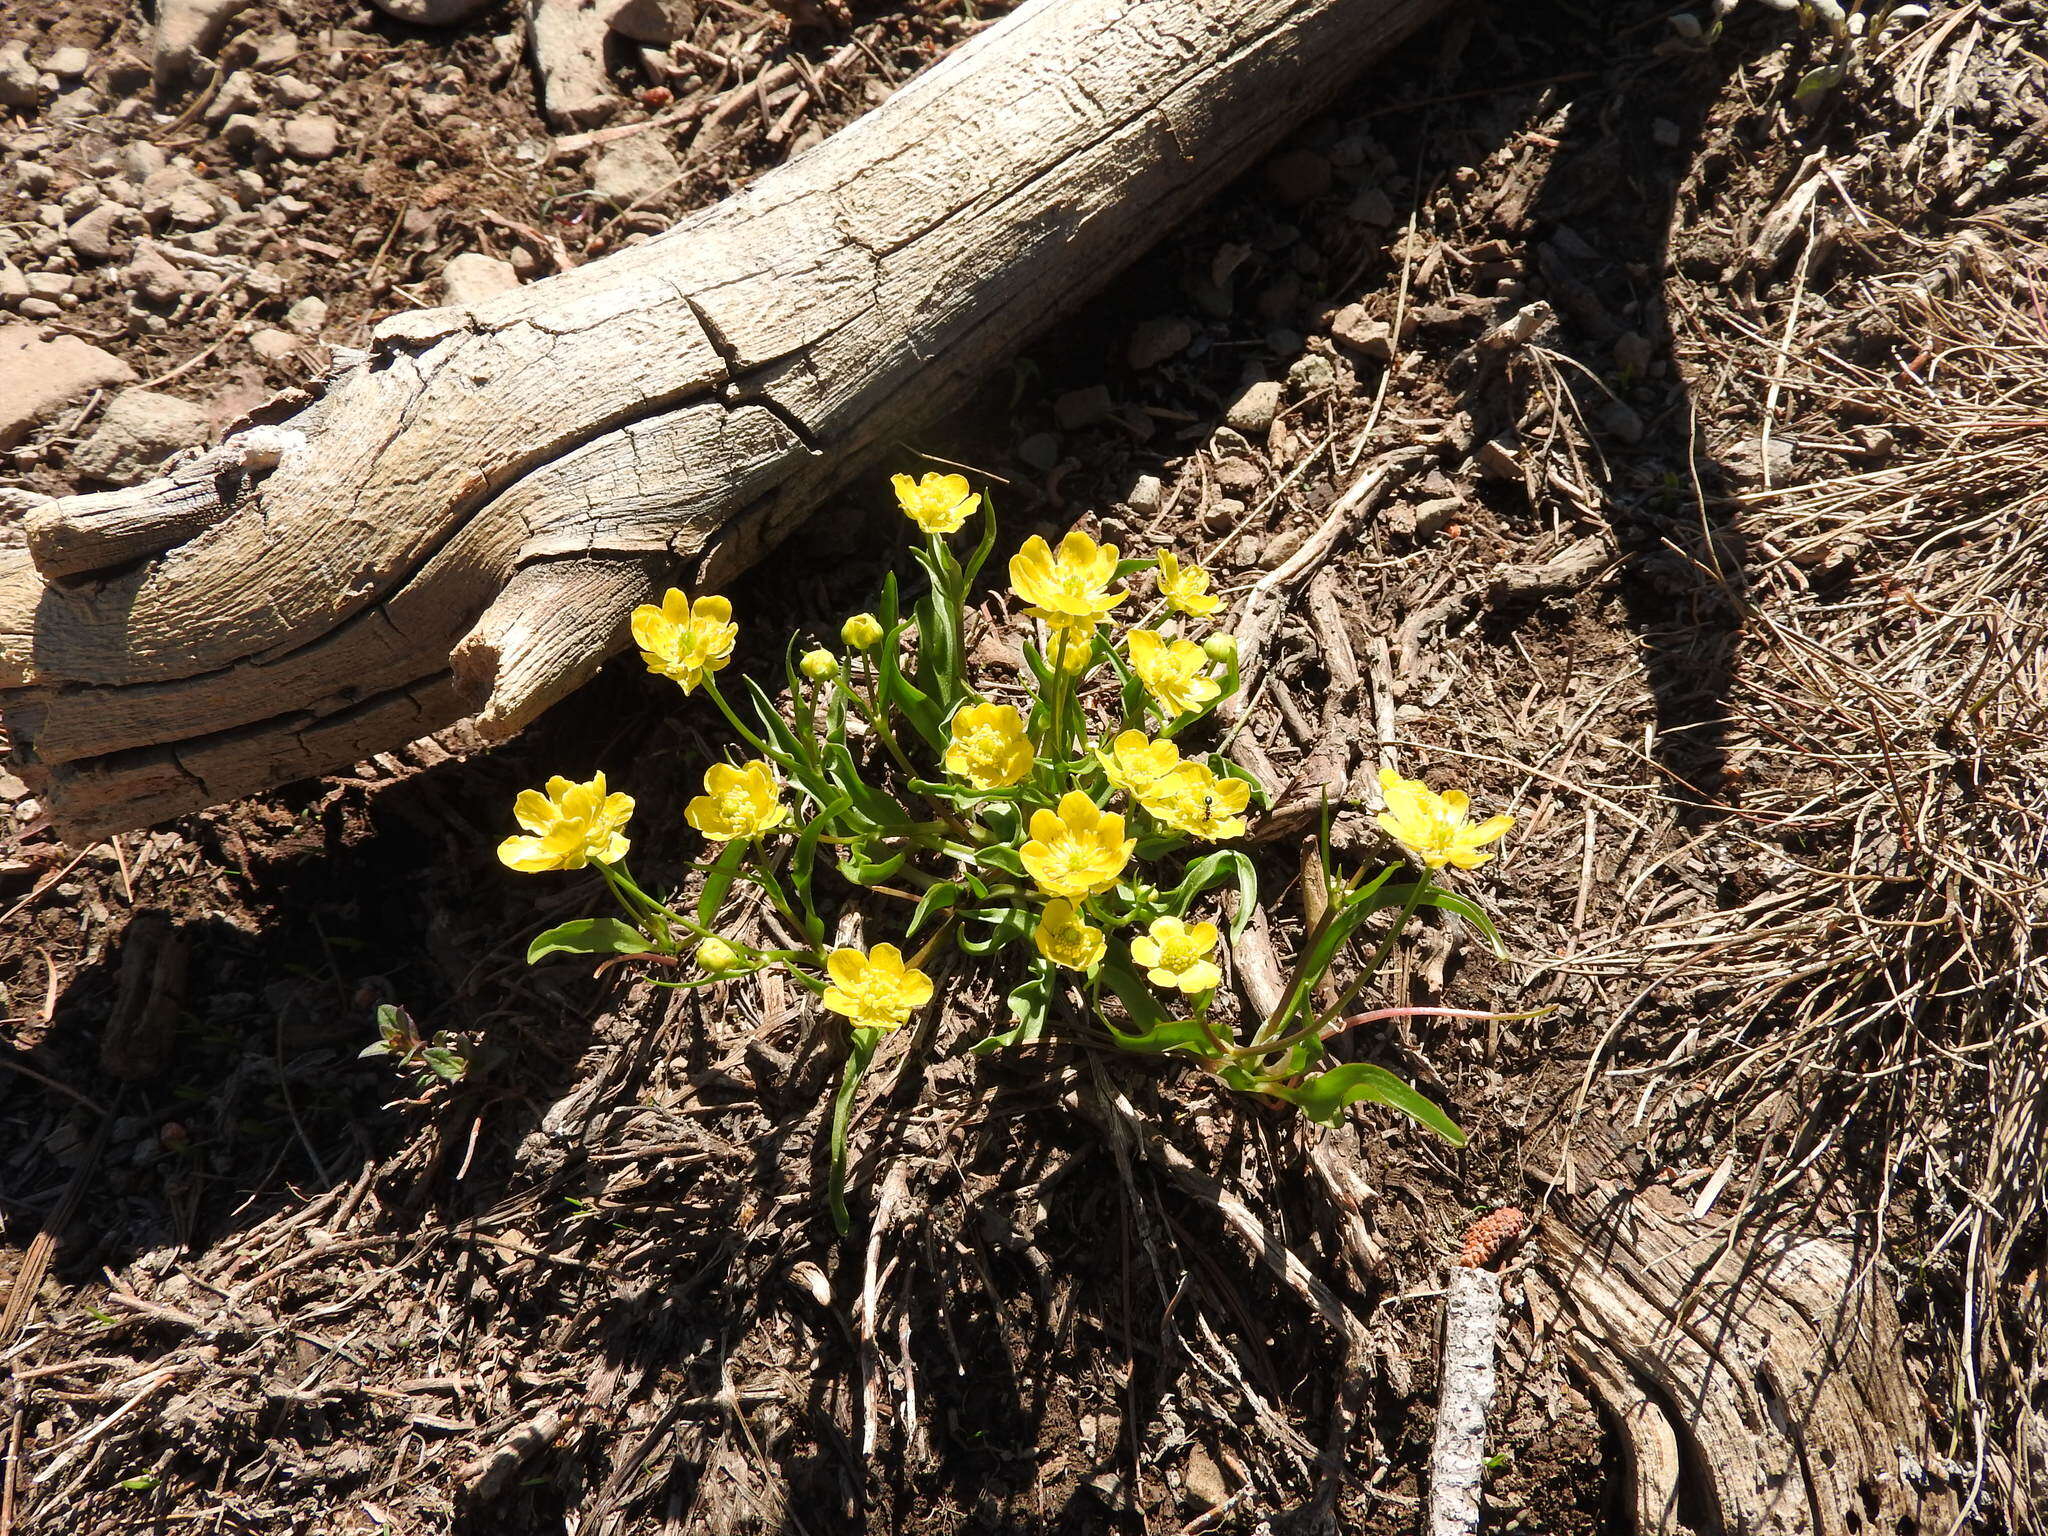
464	518
1755	1377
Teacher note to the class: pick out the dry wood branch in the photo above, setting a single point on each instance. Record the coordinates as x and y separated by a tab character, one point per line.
684	403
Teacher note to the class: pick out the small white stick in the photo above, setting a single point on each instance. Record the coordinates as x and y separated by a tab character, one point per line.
1457	1463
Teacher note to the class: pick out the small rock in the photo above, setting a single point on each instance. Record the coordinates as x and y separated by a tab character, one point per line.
1252	412
1041	451
72	105
190	208
246	134
1298	176
21	83
307	317
1665	133
430	13
1633	353
93	233
474	277
152	276
1372	206
1311	373
1500	458
1425	519
313	136
273	346
1079	408
141	160
294	92
656	23
140	430
635	170
39	309
38	376
1146	495
49	285
1363	334
1203	1482
68	63
1239	475
13	282
1222	515
1154	341
240	94
1622	419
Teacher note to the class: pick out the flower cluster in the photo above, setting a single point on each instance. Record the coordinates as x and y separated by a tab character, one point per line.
1063	821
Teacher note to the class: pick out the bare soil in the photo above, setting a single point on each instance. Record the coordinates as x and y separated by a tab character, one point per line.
1725	578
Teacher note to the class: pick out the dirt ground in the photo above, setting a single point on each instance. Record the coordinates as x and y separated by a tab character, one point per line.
1724	572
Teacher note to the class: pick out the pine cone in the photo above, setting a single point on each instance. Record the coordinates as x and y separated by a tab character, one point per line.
1491	1236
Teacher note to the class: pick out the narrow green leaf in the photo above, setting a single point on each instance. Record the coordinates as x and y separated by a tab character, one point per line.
1323	1098
589	936
1470	910
937	899
858	1055
718	881
1029	1002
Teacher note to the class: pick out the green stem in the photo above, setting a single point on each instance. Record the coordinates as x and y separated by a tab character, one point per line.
739	725
859	1053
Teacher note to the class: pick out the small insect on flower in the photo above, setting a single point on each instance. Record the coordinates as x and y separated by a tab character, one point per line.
715	957
1436	828
1173	672
569	826
937	503
1069	589
989	748
819	666
742	802
682	640
1065	939
1176	955
1185	587
1196	800
875	990
863	631
1077	850
1133	764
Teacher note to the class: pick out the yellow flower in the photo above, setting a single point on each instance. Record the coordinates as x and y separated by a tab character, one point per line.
1185	588
989	748
1133	764
737	802
571	825
1196	801
683	640
1172	671
1071	589
819	666
1436	828
1077	850
715	956
937	503
875	990
1065	939
1070	644
862	631
1176	955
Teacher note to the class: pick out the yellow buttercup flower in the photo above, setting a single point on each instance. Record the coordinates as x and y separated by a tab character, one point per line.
1133	764
1070	644
1070	589
1194	800
937	503
989	748
715	956
682	640
1175	955
569	826
875	990
819	666
1173	672
1185	587
862	631
737	802
1078	850
1065	939
1436	828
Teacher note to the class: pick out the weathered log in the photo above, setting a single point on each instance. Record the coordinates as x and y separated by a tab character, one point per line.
462	519
1755	1374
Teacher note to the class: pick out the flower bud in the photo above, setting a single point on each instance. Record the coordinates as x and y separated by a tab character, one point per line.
715	956
1221	648
819	666
863	631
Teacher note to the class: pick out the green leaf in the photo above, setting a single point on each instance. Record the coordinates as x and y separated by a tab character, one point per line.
589	936
1008	925
804	857
448	1065
1190	1035
1818	82
1325	1097
1139	1001
866	871
859	1054
718	881
1465	907
142	1482
779	733
1029	1002
1210	871
1003	857
937	899
983	545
